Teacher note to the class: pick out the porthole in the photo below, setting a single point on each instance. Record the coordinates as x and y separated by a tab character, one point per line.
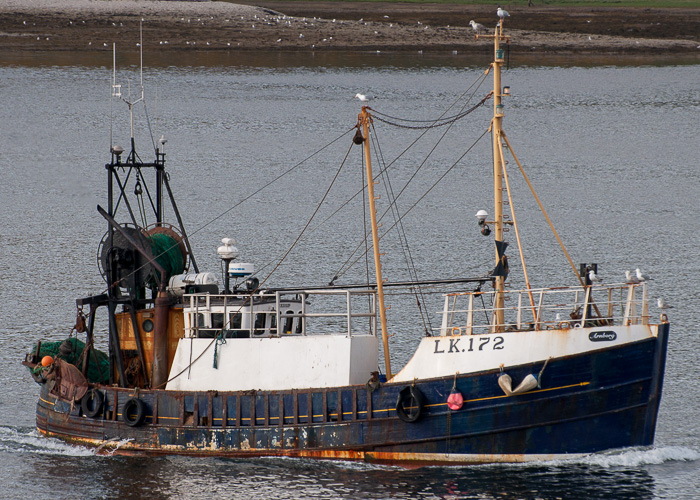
147	325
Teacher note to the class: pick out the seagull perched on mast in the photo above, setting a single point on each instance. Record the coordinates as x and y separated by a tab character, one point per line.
593	276
641	276
662	304
478	27
502	13
630	278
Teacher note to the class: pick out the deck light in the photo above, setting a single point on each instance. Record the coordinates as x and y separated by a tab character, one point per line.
481	216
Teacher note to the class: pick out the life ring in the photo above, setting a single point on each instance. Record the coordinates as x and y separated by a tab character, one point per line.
409	405
456	331
92	402
134	412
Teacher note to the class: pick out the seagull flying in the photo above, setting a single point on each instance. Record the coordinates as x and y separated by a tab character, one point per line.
662	304
361	97
641	276
502	13
478	27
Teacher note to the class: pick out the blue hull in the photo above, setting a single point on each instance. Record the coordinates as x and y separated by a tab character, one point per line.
587	403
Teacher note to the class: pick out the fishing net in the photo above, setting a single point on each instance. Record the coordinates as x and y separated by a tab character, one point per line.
71	350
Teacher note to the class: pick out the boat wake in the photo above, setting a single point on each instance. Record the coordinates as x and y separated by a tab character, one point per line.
636	457
28	440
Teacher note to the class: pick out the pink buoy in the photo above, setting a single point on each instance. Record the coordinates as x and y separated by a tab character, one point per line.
455	400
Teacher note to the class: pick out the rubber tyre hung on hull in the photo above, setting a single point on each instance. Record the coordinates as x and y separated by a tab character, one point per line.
92	403
134	412
409	405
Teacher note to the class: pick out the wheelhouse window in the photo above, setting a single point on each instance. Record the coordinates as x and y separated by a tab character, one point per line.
260	323
288	321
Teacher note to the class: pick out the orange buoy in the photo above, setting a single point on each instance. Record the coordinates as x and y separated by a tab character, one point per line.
46	361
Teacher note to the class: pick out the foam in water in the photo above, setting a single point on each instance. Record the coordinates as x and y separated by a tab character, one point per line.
14	439
635	457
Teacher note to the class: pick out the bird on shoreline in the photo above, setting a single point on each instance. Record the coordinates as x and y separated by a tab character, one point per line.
478	27
502	13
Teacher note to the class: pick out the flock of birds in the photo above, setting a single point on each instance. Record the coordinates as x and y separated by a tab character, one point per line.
637	277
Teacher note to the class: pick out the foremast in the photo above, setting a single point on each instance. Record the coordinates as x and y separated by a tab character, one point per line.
364	120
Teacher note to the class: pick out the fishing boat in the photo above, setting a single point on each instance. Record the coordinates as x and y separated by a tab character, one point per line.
244	369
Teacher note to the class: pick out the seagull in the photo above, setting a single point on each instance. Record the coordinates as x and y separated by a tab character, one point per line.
478	27
641	276
629	278
662	304
502	13
362	97
593	276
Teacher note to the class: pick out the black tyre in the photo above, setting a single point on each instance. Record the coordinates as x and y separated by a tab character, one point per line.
92	403
409	406
134	412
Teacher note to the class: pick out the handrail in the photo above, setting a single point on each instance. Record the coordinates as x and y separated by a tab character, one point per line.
225	304
556	308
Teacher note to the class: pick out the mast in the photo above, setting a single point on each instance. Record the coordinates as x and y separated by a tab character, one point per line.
364	119
499	221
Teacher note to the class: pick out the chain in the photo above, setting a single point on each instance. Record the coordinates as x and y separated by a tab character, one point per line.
433	124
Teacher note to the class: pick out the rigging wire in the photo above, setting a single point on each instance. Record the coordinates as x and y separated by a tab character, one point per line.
148	122
413	143
268	184
122	188
426	158
410	265
420	198
343	269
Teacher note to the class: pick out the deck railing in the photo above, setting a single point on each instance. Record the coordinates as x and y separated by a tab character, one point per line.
331	311
472	313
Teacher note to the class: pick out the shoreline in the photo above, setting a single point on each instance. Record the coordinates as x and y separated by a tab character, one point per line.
172	26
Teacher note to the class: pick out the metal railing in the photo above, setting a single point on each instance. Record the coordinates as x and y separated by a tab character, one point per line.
472	313
334	312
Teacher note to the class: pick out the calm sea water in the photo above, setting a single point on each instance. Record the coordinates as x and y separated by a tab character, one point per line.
609	146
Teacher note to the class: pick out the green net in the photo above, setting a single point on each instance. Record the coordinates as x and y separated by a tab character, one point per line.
70	350
167	253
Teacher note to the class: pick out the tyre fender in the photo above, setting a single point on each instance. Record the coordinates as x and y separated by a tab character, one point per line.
92	403
409	406
134	412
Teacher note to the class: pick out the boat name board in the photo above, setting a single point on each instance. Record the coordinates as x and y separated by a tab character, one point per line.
604	336
470	344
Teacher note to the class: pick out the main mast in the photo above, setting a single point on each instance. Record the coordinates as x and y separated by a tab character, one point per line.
500	271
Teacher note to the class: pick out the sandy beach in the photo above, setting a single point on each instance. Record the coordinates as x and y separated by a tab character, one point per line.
68	25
